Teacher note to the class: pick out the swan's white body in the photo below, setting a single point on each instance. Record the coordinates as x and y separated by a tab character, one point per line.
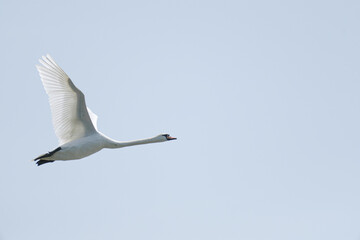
75	125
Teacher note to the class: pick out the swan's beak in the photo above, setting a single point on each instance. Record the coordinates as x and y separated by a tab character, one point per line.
171	138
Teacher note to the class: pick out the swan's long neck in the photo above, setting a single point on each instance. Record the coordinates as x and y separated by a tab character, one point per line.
110	143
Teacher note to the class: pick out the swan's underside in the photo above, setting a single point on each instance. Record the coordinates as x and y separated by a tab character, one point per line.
40	161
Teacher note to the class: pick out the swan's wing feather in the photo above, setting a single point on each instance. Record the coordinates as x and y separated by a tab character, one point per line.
70	117
93	117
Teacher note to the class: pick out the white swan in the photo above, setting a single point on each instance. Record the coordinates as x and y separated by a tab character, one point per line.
75	125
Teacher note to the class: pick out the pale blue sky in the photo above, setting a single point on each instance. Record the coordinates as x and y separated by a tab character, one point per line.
262	95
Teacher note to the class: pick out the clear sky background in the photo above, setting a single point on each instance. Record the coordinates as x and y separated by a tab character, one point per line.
264	97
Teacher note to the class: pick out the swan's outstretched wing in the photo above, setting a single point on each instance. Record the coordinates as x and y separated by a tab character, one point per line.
70	116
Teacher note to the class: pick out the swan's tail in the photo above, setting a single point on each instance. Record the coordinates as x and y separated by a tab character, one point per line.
40	159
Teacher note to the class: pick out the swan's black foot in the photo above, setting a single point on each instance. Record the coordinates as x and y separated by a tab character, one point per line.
41	162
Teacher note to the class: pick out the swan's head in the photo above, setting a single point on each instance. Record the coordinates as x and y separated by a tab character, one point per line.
165	137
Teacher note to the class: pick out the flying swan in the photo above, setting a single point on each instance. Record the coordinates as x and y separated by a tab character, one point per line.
75	125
